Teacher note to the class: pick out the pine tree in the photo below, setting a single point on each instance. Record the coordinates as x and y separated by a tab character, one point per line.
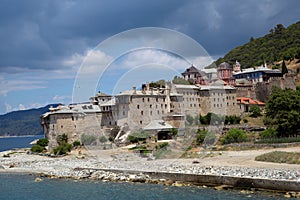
284	69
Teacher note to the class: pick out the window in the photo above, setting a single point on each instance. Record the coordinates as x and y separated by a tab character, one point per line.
61	126
150	105
156	99
143	99
138	106
148	99
142	112
151	112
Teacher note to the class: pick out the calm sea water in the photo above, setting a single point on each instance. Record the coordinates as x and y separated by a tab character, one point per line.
16	186
17	142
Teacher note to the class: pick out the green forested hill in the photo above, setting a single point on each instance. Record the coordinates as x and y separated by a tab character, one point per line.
24	122
280	44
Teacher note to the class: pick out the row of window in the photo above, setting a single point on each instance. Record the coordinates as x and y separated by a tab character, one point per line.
151	112
156	106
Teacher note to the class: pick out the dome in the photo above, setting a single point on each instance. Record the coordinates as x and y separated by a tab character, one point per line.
224	65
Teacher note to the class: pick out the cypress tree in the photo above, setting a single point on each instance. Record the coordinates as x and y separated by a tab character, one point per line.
284	69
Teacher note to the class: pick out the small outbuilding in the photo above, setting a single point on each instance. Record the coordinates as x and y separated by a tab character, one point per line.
160	128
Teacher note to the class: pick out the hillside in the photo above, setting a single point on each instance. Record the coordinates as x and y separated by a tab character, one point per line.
24	122
280	44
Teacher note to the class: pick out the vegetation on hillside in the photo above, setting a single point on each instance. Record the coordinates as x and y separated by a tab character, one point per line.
24	122
234	136
282	112
280	157
280	44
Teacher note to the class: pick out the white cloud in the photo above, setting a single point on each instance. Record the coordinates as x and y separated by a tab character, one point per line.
21	107
8	107
94	61
148	56
201	61
59	98
18	85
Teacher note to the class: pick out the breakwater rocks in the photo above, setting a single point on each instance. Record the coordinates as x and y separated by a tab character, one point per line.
92	174
179	179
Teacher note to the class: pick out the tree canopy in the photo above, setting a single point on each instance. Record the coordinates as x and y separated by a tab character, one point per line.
280	44
283	112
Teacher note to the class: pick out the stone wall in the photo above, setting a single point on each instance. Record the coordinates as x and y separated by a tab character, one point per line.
262	90
73	125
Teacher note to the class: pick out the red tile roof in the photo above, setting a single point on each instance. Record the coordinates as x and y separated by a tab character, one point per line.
246	100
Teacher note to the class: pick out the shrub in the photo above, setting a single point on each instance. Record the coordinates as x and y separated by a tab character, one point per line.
76	143
138	136
163	145
62	149
111	139
268	133
43	142
235	136
37	148
277	140
88	139
232	119
103	139
174	131
280	157
189	119
200	136
205	136
255	111
61	139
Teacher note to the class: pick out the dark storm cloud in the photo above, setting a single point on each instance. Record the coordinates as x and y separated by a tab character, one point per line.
40	34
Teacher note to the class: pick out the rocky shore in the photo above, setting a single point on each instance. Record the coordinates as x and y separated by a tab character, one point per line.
132	168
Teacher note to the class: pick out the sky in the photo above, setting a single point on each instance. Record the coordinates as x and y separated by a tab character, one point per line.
63	51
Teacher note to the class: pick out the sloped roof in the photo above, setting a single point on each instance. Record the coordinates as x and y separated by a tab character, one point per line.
158	125
102	94
190	70
249	101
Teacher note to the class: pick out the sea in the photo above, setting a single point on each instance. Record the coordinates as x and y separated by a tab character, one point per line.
23	186
7	143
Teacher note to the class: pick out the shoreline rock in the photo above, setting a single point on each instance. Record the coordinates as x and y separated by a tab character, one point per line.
141	170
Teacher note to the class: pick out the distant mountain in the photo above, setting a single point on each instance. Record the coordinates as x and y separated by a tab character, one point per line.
23	122
280	44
